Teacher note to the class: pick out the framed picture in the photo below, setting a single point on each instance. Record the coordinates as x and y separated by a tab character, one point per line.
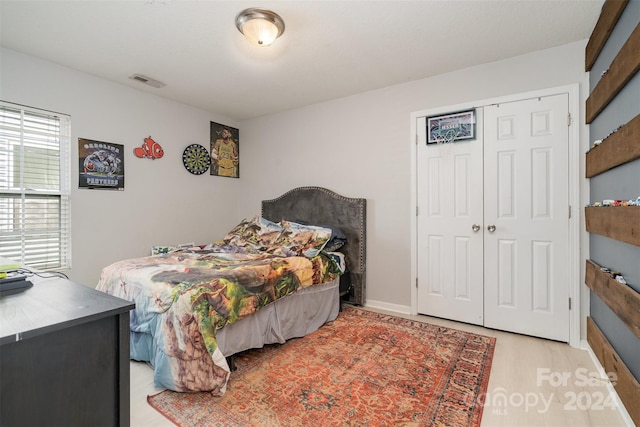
225	151
452	127
101	165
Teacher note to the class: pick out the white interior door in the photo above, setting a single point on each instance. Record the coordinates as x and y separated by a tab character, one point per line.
450	252
512	181
526	203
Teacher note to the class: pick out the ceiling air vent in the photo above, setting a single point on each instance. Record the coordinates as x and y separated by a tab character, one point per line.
147	80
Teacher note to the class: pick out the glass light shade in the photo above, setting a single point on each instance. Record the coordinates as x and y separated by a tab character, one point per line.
260	31
261	27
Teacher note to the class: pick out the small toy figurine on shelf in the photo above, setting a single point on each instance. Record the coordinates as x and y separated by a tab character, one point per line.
614	275
599	141
611	202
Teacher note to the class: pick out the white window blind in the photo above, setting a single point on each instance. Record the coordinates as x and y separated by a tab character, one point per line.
35	227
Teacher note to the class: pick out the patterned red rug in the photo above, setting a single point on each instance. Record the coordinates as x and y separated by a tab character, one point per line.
363	369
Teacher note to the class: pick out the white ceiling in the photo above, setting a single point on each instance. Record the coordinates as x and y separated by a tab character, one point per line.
329	49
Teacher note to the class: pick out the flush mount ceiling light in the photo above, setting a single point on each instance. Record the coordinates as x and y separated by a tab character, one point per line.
261	27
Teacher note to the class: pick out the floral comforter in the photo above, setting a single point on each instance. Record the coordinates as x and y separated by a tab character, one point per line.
183	297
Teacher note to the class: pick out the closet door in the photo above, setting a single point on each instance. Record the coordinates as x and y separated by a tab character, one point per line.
450	227
526	211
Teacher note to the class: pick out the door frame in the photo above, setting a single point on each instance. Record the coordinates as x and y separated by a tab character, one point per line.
574	193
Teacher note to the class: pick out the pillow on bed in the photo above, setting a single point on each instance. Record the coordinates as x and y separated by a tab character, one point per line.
157	250
301	240
236	232
337	239
257	232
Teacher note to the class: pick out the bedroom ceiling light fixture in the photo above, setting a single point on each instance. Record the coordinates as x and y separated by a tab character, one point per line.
260	26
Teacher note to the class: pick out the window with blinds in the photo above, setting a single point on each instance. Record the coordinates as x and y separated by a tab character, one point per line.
34	187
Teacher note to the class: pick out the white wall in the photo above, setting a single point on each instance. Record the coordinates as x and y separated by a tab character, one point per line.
162	203
360	147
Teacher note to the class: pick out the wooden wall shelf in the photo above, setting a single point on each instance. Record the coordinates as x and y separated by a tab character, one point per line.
621	223
616	222
611	11
619	148
622	69
626	384
623	300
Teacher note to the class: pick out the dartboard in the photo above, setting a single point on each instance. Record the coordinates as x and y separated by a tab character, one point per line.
196	159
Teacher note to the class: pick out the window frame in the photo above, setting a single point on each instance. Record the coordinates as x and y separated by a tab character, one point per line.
35	223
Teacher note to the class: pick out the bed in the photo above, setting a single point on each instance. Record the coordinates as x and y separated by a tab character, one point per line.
279	275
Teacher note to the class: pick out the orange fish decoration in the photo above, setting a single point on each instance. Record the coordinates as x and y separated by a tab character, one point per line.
150	149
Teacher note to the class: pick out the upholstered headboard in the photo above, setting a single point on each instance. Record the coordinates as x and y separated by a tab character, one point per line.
318	205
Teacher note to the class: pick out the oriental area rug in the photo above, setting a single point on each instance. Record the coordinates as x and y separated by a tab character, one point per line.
363	369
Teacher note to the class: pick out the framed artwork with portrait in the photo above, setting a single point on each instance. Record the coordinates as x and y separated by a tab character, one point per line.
225	151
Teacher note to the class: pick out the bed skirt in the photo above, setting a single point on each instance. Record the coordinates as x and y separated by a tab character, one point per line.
294	316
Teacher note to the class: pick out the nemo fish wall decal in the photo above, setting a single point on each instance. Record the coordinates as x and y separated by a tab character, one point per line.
150	149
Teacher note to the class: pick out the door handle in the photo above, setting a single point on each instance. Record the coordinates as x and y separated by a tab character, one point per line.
475	228
491	228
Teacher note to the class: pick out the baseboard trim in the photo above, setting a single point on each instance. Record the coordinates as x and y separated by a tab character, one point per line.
396	308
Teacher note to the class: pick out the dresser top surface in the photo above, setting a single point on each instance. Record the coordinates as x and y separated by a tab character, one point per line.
50	304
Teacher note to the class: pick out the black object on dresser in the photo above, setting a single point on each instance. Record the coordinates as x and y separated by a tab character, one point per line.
64	356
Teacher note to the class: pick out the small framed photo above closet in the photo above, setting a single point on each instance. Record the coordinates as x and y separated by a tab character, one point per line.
451	127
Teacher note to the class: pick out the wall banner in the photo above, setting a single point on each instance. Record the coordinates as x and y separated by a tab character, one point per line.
101	165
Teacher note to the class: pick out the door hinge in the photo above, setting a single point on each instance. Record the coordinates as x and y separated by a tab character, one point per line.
416	211
416	139
416	282
568	119
569	211
569	303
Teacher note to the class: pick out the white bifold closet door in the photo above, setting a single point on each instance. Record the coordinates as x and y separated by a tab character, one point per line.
493	224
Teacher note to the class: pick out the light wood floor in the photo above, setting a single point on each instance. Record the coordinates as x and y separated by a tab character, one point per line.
533	382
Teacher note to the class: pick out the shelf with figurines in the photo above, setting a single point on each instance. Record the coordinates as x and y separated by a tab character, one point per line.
613	290
621	146
616	219
622	69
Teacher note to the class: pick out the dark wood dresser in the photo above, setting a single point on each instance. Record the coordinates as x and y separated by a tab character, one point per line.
64	356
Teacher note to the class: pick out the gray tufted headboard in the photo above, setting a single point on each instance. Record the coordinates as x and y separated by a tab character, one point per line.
318	205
